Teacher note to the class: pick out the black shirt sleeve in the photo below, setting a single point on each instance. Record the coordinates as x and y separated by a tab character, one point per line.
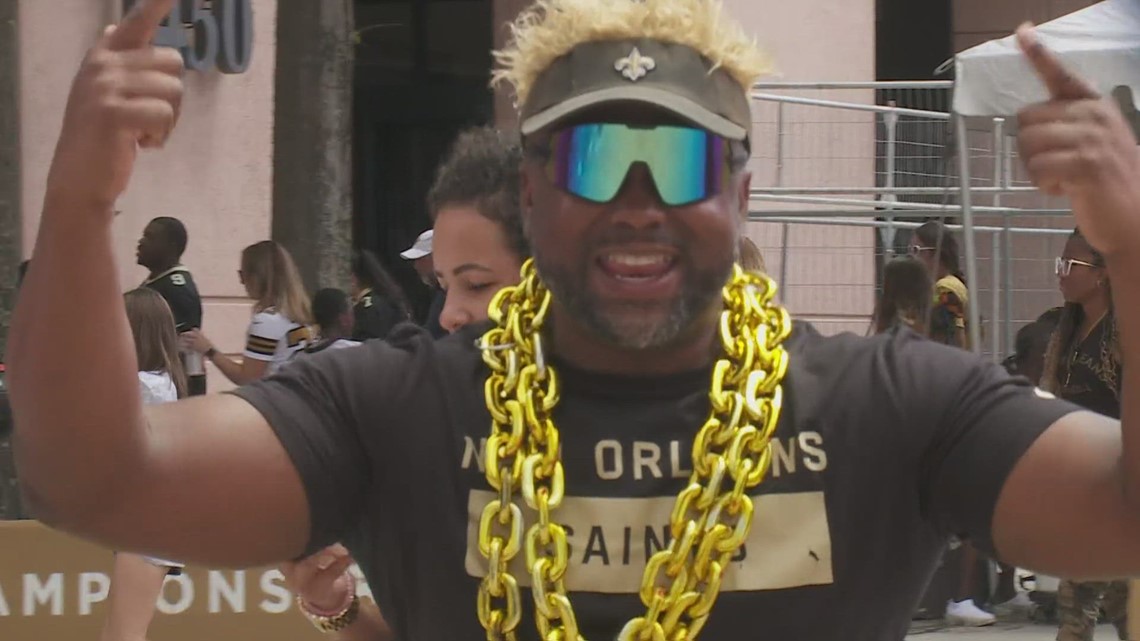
333	413
979	422
375	317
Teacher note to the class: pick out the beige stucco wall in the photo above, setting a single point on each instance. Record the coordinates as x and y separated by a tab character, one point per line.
215	175
830	272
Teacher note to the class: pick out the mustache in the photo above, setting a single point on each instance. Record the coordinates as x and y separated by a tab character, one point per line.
624	235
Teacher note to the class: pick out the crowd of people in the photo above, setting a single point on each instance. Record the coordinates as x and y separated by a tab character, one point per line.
1072	351
286	322
608	358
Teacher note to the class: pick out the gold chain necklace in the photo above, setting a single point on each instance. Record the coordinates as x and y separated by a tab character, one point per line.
713	514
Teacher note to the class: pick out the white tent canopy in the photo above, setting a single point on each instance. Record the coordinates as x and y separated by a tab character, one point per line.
1101	43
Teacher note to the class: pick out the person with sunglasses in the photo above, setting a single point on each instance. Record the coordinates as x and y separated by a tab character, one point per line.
636	445
1083	361
937	249
1083	365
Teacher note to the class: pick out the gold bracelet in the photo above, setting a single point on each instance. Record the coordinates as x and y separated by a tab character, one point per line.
334	623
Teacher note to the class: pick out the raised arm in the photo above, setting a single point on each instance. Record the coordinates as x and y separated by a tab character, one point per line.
1078	487
204	480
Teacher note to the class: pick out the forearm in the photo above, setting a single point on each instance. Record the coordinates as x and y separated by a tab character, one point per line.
1126	303
73	381
230	368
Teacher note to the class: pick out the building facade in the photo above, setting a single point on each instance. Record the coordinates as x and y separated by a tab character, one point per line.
421	76
215	174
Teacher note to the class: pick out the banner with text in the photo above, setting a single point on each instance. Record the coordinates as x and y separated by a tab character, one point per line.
53	586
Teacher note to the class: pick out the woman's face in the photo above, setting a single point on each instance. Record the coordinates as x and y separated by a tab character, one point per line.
925	254
472	262
1084	280
244	279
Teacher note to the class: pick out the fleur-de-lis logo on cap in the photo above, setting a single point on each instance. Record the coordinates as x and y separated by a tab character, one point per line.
635	66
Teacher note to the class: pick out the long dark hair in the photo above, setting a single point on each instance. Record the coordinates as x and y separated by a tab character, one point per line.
934	234
370	273
1072	315
907	296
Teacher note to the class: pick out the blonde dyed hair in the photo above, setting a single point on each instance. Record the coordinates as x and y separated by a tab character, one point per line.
274	282
549	29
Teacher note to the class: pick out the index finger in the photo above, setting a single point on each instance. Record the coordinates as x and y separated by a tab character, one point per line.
1059	80
138	27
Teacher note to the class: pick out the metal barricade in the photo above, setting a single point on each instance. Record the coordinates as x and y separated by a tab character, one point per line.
843	170
830	264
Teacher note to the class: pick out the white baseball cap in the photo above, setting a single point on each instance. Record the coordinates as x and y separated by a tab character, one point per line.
421	248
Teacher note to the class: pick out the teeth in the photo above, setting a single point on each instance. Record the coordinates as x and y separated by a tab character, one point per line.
638	260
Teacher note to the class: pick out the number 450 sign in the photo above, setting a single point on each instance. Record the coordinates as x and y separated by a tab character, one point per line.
211	34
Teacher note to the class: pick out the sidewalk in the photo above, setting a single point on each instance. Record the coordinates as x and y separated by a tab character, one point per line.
999	632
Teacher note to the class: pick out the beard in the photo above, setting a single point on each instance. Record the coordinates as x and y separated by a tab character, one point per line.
636	324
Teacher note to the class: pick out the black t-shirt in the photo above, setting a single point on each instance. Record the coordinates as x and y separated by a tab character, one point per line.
177	286
1090	373
432	320
886	445
374	317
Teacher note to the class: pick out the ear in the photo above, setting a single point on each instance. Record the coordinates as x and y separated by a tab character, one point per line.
526	193
744	193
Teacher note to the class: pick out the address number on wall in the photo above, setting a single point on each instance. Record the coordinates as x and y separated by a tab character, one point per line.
210	34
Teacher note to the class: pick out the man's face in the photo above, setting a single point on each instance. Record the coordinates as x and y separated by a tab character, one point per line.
425	267
347	322
151	247
633	272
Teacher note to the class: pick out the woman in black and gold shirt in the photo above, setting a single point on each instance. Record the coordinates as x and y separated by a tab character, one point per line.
1082	365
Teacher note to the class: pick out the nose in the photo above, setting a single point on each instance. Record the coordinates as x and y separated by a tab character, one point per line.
638	204
454	316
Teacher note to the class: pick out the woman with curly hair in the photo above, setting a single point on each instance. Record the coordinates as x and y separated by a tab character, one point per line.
478	248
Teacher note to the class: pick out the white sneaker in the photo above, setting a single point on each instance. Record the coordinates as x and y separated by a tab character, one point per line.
1019	607
965	613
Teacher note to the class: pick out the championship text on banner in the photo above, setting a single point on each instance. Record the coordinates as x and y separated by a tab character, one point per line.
55	587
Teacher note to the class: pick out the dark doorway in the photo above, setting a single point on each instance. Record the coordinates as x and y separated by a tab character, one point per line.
913	39
422	71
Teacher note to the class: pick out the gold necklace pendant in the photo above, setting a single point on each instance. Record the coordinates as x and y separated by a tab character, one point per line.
712	516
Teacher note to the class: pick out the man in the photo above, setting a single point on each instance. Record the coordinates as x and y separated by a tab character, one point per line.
160	250
332	312
1030	345
883	446
420	255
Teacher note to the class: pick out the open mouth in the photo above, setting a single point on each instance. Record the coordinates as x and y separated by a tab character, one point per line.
639	274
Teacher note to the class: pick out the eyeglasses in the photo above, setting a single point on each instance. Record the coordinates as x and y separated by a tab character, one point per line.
915	250
592	161
1063	266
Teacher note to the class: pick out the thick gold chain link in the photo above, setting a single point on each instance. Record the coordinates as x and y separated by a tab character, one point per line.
712	516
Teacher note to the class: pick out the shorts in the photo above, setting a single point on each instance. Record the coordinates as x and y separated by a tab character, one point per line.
172	568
